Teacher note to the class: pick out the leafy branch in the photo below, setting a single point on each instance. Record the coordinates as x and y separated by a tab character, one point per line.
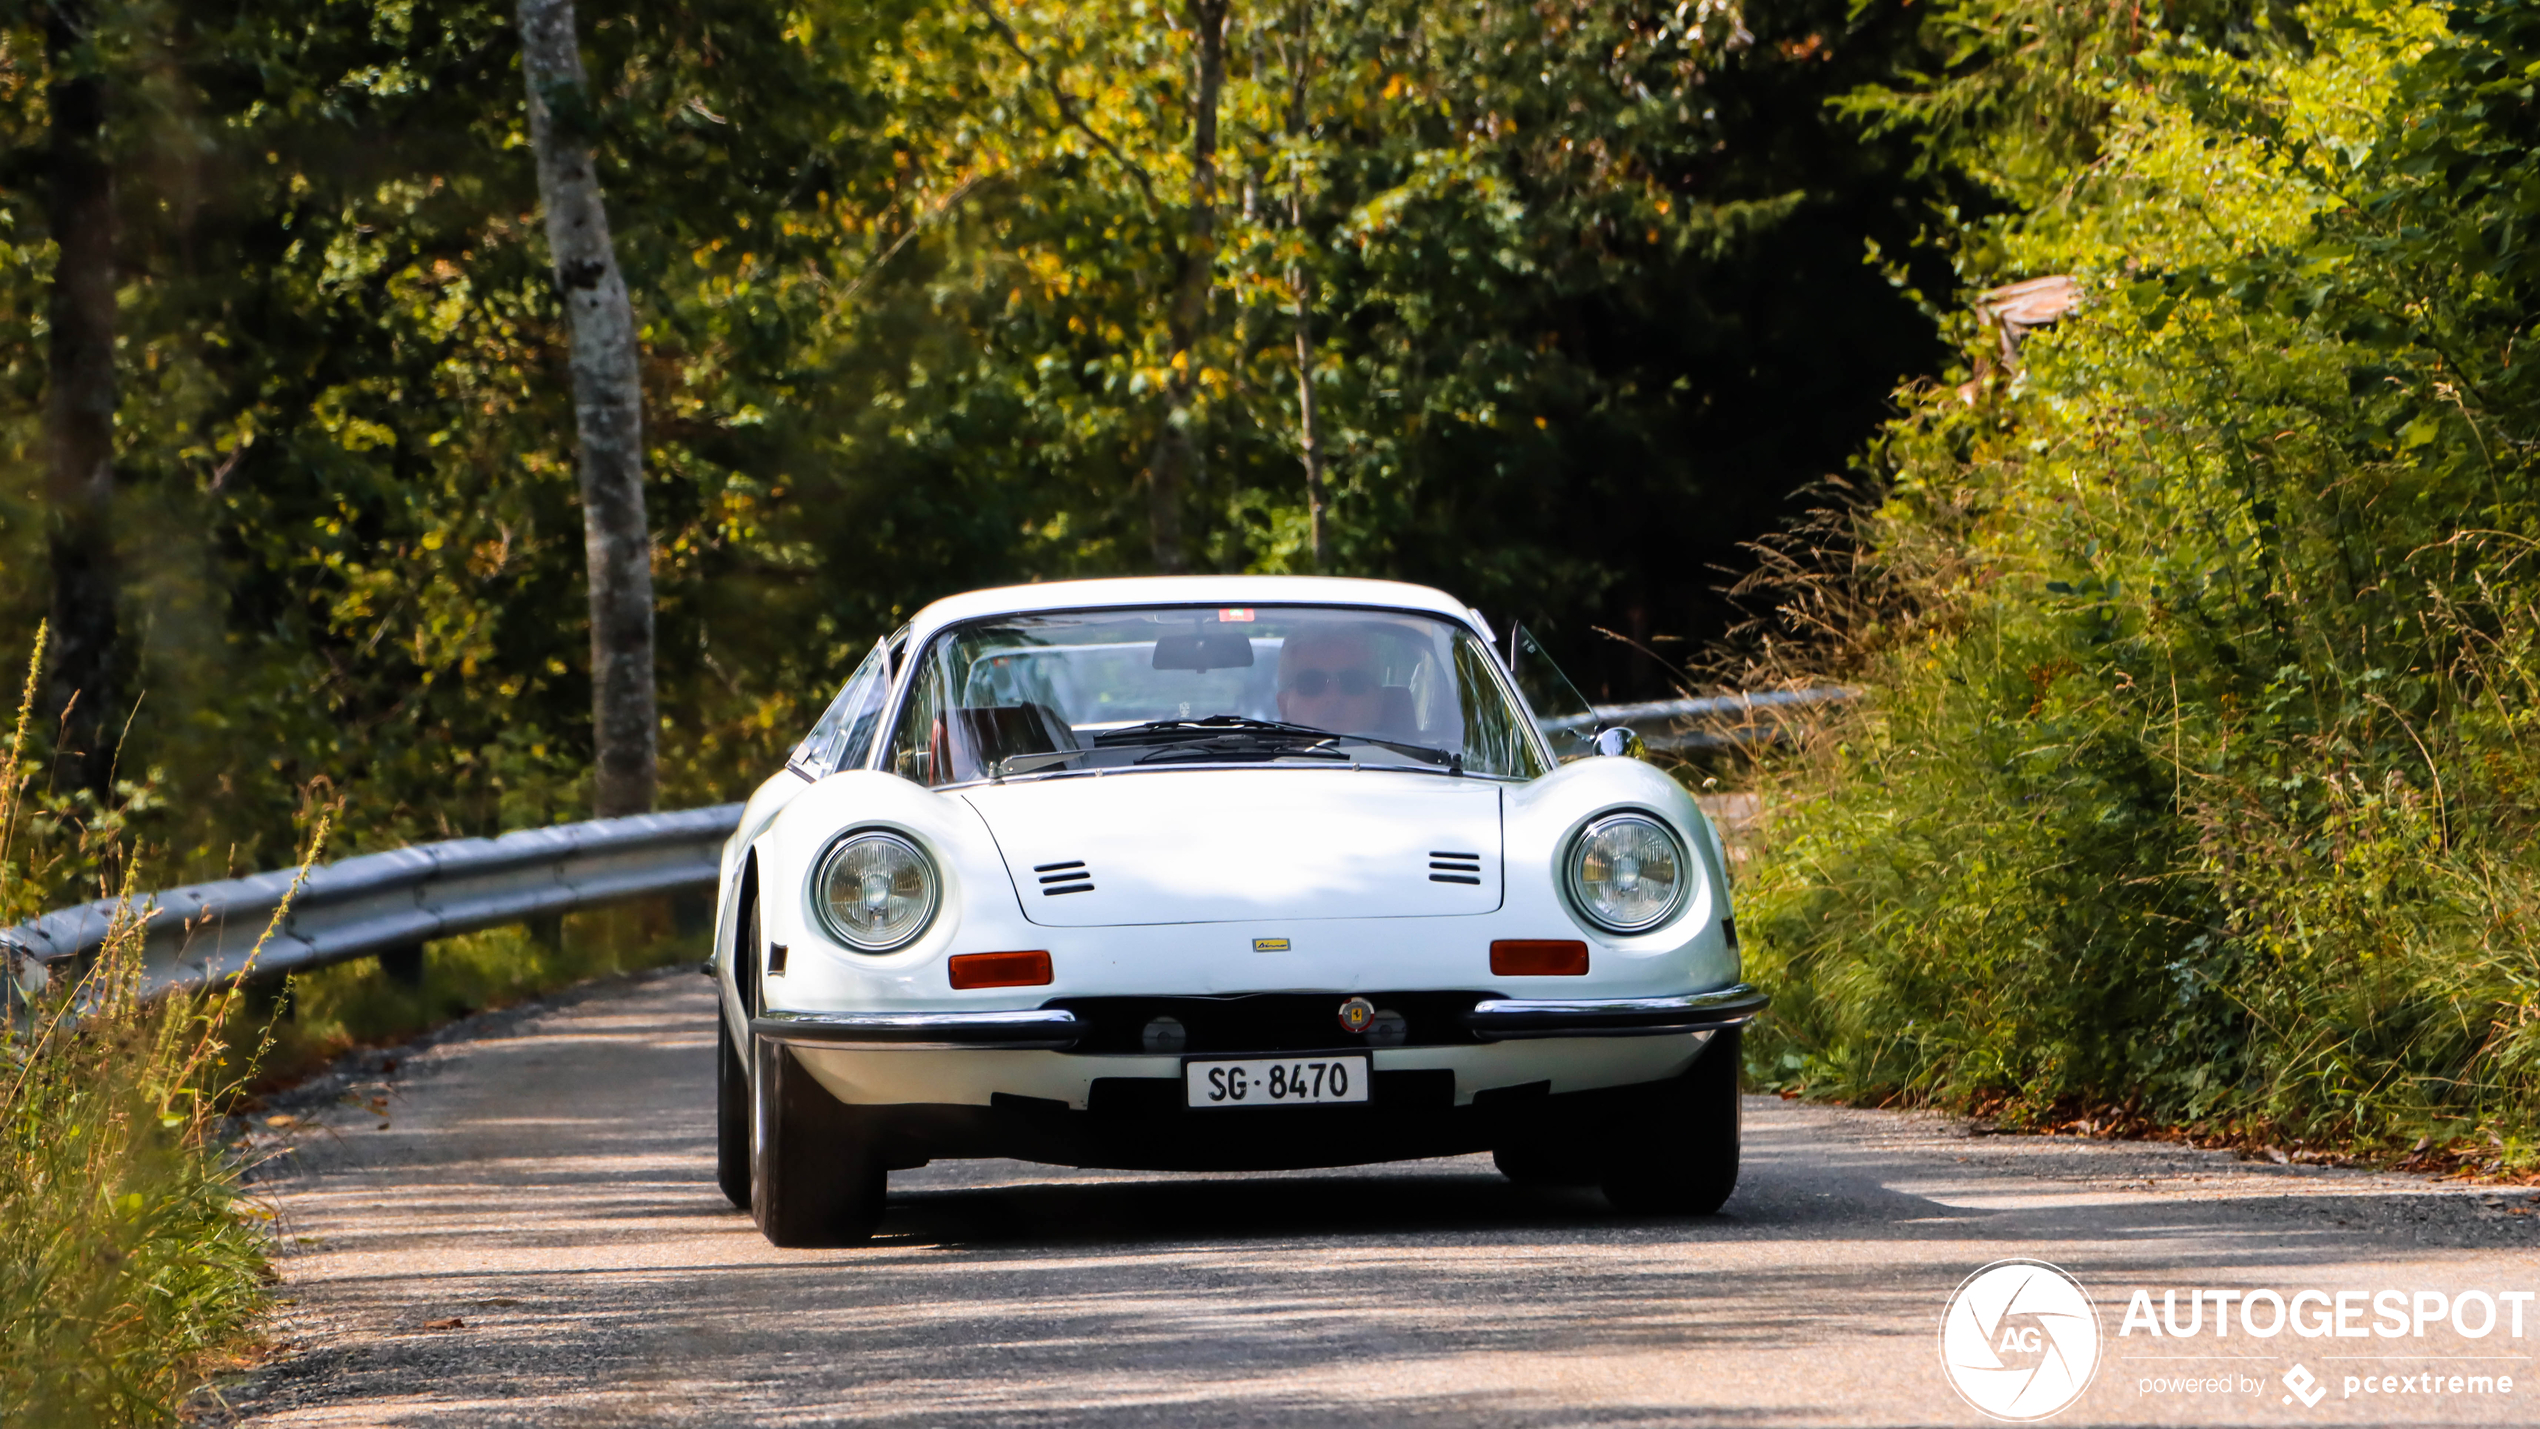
1069	109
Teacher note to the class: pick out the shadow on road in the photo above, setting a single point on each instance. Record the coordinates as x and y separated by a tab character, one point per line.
551	1189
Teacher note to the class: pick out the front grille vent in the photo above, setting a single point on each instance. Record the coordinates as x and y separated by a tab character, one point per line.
1069	877
1446	867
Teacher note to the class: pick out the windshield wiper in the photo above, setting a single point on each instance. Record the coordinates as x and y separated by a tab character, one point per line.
1244	745
1214	728
1162	729
1178	730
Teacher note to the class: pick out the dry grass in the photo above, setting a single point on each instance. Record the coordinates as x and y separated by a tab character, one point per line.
130	1264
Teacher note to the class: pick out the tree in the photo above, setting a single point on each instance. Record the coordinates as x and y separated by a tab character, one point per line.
909	327
608	411
1177	454
79	409
1296	51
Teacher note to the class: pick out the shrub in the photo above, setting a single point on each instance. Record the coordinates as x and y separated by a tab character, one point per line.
2199	776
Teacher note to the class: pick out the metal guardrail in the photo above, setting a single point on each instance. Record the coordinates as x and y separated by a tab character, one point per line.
394	902
1711	721
389	902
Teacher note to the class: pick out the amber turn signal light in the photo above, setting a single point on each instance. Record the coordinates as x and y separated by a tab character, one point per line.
1022	969
1538	959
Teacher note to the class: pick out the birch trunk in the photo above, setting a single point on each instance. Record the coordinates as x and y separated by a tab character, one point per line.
1176	460
1309	446
607	412
79	405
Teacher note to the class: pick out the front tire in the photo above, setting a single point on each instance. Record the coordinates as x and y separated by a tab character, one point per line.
1683	1161
1542	1160
812	1180
731	1116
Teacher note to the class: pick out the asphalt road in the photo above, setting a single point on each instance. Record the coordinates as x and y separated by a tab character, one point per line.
533	1237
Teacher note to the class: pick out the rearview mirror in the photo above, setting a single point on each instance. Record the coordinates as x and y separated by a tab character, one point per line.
1218	650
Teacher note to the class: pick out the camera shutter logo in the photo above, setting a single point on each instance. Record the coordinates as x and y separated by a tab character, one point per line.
2020	1340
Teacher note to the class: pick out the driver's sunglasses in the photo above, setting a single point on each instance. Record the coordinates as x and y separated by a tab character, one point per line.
1314	684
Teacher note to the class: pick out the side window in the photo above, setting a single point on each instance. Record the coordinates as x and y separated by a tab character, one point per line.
1493	742
845	732
1564	715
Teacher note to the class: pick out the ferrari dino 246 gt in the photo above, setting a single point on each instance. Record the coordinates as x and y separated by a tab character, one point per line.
1238	872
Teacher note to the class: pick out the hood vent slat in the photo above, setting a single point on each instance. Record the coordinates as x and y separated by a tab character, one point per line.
1069	877
1449	867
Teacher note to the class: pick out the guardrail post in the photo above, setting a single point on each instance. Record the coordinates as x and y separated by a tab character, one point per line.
24	979
692	913
270	998
404	966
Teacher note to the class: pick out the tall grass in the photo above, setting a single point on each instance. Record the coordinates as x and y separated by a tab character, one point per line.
130	1264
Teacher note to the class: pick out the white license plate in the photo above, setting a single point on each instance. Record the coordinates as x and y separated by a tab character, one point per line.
1276	1081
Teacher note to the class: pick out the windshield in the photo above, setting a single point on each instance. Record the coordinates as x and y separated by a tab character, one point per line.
1176	685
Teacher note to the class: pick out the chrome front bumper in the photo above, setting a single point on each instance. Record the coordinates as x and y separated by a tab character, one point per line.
1509	1019
1055	1029
1049	1029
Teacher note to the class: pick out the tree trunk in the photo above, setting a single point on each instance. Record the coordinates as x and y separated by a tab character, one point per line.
1176	458
607	412
79	406
1309	448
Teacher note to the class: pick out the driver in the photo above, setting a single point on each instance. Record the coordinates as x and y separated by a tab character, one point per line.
1332	677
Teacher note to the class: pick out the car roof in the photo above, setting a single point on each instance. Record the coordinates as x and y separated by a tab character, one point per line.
1187	590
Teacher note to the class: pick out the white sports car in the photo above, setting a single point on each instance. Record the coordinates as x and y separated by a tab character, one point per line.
1238	872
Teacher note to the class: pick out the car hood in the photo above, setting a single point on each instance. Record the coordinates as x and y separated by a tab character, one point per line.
1246	845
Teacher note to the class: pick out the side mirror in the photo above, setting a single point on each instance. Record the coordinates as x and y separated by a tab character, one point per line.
1621	739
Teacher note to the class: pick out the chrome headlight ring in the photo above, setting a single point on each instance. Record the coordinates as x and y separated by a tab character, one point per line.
875	891
1626	872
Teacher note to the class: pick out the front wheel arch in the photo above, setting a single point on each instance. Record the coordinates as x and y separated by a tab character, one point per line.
747	984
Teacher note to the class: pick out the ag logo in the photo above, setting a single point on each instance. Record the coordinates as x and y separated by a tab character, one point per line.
2020	1340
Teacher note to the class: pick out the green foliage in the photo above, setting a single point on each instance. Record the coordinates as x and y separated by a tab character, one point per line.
129	1264
2199	776
1574	268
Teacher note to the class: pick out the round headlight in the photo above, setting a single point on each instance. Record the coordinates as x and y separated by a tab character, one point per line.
1627	873
875	891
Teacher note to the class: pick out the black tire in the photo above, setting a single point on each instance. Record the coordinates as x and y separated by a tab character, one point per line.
812	1181
731	1115
1536	1161
1683	1160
